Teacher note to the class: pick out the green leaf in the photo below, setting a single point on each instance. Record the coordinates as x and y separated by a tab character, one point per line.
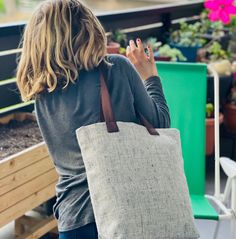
2	8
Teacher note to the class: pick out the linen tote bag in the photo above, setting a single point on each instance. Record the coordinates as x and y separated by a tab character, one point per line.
136	179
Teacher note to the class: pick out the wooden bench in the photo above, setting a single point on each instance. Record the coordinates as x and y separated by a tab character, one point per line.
27	179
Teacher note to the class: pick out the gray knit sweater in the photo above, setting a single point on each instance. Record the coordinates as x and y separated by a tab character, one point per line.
61	112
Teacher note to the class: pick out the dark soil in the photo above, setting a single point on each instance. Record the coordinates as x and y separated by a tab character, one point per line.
17	136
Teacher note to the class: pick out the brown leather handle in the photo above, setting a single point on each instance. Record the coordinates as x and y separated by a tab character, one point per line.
148	126
106	107
107	113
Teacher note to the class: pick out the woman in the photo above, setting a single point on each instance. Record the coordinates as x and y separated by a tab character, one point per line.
63	45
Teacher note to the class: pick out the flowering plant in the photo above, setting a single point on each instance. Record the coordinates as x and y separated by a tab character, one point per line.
220	10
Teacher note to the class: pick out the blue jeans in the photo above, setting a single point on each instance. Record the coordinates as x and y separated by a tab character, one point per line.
88	231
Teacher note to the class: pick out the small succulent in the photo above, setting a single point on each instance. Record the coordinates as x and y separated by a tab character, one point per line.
188	35
174	53
122	50
209	110
216	52
208	27
153	42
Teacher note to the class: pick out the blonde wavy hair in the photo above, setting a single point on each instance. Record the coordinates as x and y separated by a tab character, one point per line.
61	38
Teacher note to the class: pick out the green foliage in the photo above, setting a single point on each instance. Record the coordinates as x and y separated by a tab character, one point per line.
153	42
209	110
119	37
188	35
208	27
232	24
216	52
122	50
2	8
167	51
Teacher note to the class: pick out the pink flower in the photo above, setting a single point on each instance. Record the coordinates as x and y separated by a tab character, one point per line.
220	10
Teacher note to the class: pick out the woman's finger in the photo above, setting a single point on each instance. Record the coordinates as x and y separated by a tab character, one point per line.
130	55
150	54
128	50
140	46
132	46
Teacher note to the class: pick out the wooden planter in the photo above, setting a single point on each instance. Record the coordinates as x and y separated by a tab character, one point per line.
27	179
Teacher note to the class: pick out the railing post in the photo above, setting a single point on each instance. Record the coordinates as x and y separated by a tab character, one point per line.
165	29
233	207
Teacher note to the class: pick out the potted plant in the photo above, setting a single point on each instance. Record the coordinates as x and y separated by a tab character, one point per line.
230	111
210	133
113	47
166	53
117	42
216	53
232	42
214	30
219	59
153	42
187	40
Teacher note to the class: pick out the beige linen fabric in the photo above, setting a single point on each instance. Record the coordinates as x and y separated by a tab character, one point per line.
136	181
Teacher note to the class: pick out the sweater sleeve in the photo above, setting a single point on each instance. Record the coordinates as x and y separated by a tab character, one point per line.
149	99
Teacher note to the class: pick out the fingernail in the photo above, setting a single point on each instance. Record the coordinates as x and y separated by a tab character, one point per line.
131	41
138	39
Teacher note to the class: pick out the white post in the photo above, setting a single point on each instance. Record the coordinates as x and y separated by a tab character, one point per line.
233	207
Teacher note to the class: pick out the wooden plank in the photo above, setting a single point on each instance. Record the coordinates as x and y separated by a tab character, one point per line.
28	221
19	227
9	199
23	159
27	204
24	175
31	226
40	229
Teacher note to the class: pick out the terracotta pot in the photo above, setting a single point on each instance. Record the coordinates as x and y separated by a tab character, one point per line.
210	134
113	48
230	117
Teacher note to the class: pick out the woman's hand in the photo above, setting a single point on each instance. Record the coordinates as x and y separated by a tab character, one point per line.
145	64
